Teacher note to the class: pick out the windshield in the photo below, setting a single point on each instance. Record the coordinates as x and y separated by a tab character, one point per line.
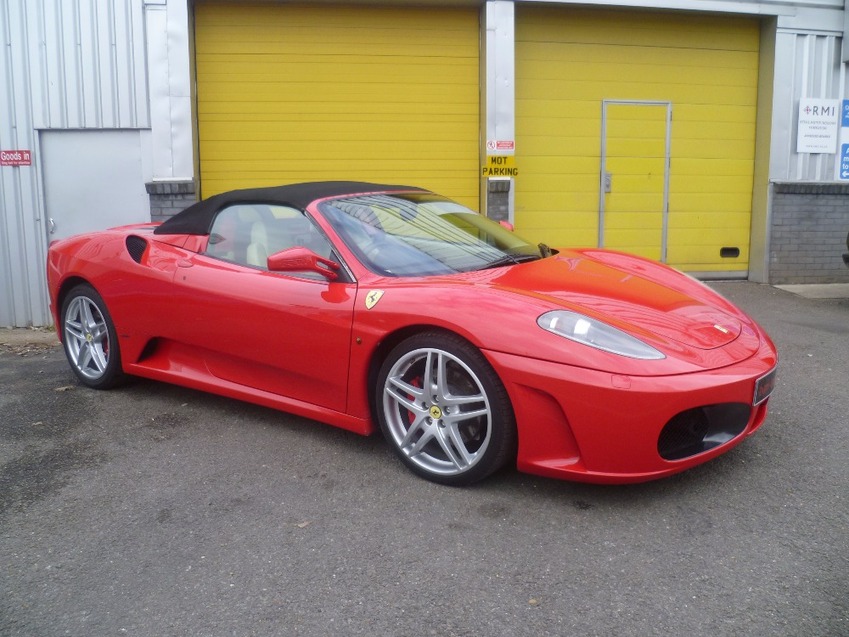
422	234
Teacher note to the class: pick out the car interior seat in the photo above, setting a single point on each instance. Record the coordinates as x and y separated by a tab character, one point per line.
257	254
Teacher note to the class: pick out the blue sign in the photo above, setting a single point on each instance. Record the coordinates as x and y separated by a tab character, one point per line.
844	161
844	122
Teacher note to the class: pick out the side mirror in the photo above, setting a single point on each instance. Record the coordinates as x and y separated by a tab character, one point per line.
300	259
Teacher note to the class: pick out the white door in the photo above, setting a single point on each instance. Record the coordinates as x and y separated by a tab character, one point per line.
92	180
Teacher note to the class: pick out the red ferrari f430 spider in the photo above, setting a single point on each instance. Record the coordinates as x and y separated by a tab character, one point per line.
369	306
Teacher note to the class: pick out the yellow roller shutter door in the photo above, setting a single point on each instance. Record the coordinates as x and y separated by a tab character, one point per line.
568	62
292	93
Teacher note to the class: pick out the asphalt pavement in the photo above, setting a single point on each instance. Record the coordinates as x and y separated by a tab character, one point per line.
156	510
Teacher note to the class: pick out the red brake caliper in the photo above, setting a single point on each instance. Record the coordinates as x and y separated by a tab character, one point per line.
415	382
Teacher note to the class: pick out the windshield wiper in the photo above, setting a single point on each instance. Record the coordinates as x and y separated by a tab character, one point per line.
510	259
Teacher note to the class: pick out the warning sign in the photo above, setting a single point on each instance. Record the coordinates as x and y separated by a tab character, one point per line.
500	166
501	144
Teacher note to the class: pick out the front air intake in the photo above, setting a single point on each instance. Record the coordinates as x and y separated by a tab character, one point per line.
701	429
136	247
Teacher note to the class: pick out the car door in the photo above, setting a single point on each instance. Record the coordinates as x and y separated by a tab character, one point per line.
288	334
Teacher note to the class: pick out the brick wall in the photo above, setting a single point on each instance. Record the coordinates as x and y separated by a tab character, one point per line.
167	198
808	233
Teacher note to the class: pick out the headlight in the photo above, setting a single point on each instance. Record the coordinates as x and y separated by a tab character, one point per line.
589	331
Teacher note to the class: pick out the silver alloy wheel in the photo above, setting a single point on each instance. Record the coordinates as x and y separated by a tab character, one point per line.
87	338
437	411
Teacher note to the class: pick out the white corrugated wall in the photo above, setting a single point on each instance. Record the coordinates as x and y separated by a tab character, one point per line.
808	65
63	65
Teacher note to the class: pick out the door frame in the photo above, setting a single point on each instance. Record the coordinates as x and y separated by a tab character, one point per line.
602	189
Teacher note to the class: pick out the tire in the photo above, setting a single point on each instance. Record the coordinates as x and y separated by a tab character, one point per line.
460	431
90	340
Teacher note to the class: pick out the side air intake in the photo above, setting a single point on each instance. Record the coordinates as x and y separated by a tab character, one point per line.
136	247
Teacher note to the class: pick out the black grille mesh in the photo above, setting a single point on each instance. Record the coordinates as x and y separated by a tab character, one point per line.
136	247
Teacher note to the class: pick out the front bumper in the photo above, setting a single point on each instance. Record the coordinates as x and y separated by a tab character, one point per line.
592	426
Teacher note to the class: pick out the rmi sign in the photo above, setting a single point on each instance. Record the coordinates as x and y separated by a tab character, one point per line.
818	126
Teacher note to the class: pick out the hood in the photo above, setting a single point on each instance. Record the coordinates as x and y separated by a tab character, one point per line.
639	296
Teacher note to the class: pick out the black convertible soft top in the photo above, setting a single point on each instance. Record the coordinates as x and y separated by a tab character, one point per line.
198	218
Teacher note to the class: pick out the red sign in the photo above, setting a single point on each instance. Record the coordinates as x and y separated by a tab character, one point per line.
500	144
15	158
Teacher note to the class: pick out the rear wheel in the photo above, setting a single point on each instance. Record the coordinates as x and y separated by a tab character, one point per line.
444	410
91	343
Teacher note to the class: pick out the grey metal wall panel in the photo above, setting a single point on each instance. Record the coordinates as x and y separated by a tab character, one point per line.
63	65
87	59
22	285
807	65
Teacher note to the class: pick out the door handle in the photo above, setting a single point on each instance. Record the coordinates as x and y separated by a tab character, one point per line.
52	225
184	263
608	182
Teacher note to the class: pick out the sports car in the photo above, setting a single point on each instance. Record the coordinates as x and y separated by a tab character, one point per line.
369	306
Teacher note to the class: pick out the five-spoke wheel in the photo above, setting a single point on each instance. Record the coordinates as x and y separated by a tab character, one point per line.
88	334
444	409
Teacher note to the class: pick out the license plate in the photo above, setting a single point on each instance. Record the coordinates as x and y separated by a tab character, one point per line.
764	386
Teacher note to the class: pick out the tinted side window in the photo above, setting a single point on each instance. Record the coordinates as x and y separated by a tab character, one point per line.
290	228
231	233
248	234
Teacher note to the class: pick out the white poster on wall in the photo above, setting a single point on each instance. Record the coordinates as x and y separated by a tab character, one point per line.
818	126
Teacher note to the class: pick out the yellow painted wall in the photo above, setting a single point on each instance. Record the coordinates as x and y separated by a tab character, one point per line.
568	60
291	93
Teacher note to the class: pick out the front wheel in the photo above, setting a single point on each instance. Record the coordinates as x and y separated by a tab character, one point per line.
444	410
91	343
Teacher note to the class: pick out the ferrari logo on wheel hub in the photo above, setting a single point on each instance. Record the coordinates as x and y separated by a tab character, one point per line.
435	412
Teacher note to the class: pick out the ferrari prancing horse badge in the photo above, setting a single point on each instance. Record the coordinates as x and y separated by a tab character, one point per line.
372	298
